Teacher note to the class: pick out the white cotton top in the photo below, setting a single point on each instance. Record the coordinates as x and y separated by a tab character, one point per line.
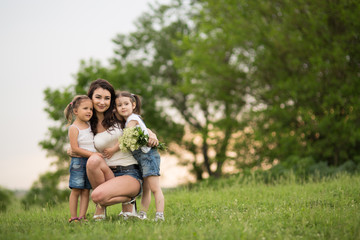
108	139
86	139
143	127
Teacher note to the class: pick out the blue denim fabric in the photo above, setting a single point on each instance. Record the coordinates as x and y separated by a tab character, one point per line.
78	177
149	162
135	173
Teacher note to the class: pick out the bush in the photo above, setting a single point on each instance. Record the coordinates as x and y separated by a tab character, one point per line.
5	198
45	192
306	167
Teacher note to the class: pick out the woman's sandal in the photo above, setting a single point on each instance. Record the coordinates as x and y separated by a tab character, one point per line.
73	219
132	201
133	213
100	217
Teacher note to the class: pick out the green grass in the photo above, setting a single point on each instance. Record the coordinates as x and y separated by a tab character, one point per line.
223	209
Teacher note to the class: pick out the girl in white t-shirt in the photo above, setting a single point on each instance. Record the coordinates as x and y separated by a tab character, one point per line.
82	144
128	106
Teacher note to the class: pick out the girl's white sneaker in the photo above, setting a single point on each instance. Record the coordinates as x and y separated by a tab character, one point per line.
142	215
159	217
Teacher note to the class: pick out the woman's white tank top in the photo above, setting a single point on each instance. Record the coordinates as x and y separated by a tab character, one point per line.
108	139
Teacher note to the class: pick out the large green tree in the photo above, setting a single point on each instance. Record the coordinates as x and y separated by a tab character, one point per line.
304	76
307	76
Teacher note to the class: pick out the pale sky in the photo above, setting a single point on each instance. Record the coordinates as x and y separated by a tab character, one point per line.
41	45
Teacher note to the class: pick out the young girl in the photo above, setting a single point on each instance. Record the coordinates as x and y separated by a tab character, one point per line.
82	144
128	106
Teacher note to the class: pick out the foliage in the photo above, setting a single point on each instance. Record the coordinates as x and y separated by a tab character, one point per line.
225	209
305	79
305	169
6	196
57	138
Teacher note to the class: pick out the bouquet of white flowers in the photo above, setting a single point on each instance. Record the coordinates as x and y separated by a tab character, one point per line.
133	138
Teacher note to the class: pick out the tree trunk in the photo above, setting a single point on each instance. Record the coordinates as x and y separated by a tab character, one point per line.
221	156
206	157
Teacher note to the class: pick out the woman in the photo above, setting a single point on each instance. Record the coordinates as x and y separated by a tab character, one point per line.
117	178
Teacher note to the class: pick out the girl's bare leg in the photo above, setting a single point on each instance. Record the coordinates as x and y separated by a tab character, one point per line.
146	196
154	184
84	202
73	201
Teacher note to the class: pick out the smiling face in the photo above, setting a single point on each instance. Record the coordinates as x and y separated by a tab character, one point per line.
101	99
124	106
84	111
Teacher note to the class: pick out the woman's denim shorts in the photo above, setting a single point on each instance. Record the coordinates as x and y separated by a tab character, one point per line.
78	177
149	162
135	173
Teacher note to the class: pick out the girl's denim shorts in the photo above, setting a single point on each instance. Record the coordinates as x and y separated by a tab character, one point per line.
135	173
78	177
149	162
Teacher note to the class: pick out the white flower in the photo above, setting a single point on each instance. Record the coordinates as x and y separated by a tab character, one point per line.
133	138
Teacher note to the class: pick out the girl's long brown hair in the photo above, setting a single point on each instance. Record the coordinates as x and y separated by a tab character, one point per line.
74	104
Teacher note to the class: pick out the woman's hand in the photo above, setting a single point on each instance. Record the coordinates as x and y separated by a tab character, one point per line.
109	152
70	153
153	141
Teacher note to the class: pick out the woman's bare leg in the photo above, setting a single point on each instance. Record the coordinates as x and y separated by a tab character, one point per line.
127	207
109	190
116	190
98	171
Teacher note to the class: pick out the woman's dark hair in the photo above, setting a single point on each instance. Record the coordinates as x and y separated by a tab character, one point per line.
109	118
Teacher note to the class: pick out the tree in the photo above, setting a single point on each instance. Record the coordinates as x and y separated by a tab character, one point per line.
196	76
305	79
213	68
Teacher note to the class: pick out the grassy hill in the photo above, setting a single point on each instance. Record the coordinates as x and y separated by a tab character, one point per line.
231	208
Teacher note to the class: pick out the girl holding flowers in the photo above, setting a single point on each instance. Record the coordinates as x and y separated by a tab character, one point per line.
82	144
128	106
